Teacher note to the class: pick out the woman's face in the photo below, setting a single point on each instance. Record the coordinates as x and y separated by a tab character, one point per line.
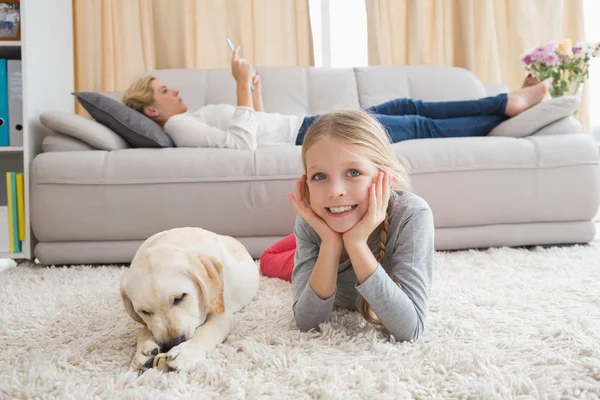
166	103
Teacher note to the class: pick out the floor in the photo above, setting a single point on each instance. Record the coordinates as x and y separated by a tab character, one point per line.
503	323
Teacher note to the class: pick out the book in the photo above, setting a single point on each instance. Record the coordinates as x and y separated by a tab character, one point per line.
13	214
21	204
11	224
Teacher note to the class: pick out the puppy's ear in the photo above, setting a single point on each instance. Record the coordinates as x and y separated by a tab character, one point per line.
129	308
208	273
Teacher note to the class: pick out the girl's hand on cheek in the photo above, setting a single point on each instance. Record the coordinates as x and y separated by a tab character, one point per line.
301	204
379	196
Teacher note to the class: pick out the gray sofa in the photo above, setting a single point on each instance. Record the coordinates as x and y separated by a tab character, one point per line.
534	180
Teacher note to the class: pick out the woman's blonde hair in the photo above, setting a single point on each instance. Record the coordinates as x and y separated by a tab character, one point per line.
358	128
140	94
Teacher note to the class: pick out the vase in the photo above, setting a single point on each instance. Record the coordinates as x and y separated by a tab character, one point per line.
574	89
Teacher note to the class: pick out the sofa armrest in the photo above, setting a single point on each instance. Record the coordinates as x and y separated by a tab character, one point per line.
494	89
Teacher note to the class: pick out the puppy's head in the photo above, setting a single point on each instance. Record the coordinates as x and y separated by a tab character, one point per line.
172	291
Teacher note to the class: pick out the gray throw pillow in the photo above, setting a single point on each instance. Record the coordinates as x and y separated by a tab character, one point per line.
537	117
137	129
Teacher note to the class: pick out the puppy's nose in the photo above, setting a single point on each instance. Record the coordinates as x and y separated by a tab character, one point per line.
169	345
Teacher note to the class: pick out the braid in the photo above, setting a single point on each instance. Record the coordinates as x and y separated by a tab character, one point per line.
363	306
383	237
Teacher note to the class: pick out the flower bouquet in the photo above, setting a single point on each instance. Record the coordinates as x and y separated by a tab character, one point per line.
568	65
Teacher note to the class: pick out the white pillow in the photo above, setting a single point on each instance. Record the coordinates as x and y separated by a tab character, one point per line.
563	126
537	117
85	129
60	142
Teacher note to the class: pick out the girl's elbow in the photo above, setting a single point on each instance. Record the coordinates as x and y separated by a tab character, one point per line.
409	334
304	324
403	336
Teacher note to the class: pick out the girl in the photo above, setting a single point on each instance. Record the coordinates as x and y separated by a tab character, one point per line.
359	244
247	127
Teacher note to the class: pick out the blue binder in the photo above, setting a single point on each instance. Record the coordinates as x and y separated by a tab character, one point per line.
4	122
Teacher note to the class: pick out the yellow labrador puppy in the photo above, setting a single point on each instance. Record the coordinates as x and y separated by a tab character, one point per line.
184	285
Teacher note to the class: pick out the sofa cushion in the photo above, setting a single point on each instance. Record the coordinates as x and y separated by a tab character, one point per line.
501	180
378	84
137	129
85	129
536	117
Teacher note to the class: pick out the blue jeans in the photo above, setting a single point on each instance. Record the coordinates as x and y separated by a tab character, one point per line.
406	119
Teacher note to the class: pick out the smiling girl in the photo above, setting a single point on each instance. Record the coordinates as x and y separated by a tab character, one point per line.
363	241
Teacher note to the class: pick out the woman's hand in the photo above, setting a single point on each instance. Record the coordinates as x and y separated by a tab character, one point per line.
379	196
257	93
242	72
256	82
241	69
301	204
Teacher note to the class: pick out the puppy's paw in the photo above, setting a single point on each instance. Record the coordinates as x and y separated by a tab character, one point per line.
144	356
185	357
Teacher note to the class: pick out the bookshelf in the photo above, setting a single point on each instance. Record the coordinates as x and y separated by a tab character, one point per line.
47	68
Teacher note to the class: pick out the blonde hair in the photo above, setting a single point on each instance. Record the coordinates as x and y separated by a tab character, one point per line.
357	127
140	94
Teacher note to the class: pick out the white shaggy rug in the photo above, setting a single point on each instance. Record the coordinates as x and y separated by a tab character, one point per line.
504	323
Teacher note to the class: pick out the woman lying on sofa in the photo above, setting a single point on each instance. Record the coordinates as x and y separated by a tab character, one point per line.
247	126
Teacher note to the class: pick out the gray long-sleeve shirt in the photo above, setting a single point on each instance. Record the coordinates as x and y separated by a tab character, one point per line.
408	258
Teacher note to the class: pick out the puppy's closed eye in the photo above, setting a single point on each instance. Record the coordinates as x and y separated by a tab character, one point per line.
179	299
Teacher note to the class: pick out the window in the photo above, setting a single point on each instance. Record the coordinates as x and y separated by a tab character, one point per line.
339	32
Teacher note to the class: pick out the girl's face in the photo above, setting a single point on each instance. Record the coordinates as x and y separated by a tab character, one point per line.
338	177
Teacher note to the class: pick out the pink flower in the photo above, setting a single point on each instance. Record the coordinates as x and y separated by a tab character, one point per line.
543	54
551	59
526	59
537	55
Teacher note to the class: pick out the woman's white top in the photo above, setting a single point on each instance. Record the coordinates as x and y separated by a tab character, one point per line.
227	126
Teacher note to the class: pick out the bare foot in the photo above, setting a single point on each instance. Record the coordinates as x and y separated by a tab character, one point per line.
530	80
522	99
